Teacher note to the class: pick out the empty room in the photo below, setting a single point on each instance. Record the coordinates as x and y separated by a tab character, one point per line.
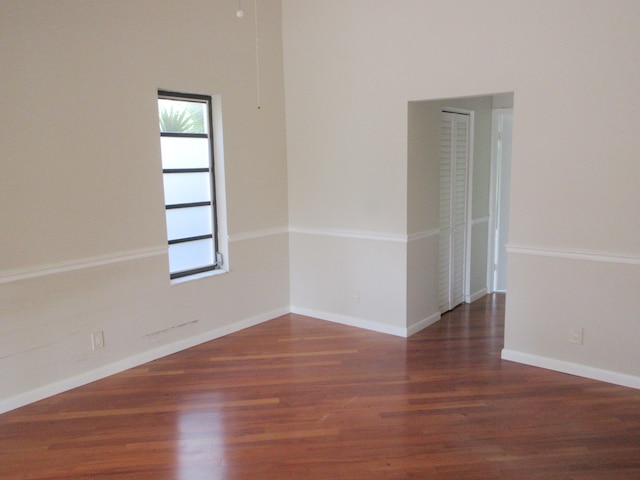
222	237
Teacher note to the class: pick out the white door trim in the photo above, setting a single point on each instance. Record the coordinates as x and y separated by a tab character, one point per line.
494	197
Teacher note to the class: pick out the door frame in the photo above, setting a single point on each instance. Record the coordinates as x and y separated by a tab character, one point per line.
494	197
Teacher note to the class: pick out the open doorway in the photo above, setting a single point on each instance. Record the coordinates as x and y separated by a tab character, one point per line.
423	201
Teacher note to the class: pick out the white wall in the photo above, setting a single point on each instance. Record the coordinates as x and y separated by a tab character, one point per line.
347	183
351	66
337	277
423	211
82	244
83	240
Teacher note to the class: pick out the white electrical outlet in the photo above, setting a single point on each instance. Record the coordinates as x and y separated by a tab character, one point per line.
97	340
576	335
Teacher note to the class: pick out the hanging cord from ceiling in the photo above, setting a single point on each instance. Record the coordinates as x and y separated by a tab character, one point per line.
240	14
255	5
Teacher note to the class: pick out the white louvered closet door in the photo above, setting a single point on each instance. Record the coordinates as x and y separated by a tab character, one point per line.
454	161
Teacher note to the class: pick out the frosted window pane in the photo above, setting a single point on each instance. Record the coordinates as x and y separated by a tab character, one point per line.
185	256
186	188
179	152
188	222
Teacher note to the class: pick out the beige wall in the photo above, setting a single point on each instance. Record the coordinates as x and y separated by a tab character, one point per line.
83	240
82	244
352	66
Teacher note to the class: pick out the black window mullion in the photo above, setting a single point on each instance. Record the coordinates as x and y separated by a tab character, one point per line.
184	96
190	239
188	205
186	170
214	210
184	135
193	271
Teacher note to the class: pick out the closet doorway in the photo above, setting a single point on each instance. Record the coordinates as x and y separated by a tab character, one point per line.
456	128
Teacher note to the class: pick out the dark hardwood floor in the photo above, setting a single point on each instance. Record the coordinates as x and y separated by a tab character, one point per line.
300	398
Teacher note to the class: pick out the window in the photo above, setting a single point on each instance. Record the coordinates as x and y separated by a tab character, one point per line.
186	142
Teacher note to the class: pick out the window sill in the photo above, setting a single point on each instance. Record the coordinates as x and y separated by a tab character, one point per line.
198	276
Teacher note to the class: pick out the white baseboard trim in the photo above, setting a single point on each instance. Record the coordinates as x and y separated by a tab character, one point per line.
572	368
40	393
351	321
477	295
424	323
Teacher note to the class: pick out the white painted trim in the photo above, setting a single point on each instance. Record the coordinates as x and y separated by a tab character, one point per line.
134	361
572	368
494	193
355	234
469	221
424	323
80	264
351	321
364	235
434	232
220	180
590	255
476	295
239	237
198	276
493	203
479	220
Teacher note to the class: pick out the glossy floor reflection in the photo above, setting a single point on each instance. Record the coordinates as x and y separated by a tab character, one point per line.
301	398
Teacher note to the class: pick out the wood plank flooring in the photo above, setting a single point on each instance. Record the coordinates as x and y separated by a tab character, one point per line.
300	398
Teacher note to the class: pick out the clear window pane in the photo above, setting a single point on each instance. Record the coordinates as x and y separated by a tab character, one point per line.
186	256
189	222
187	187
181	152
182	116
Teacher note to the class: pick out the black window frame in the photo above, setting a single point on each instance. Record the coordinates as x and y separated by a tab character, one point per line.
208	101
